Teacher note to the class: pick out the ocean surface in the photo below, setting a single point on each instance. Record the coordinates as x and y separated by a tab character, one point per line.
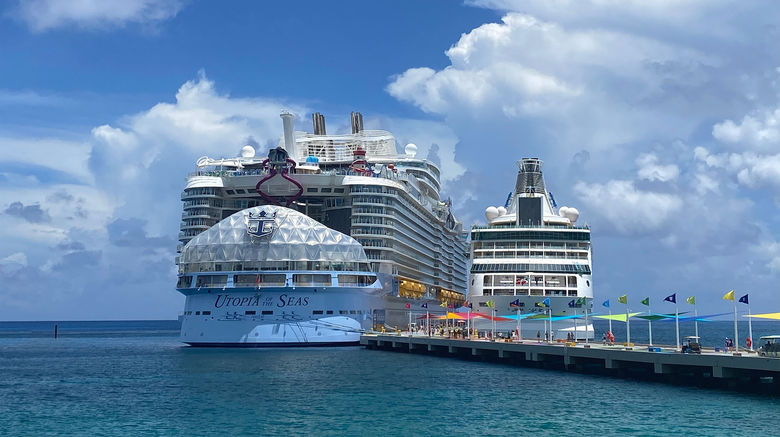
135	378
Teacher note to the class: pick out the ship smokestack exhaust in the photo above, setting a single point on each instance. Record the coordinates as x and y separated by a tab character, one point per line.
356	119
289	136
319	123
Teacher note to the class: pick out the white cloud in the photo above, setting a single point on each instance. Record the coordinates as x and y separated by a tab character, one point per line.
43	15
760	132
650	170
628	209
751	170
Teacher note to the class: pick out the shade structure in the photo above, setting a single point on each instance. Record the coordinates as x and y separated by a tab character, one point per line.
496	318
454	316
618	317
771	316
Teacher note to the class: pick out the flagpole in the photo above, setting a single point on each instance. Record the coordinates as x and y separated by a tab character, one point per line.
586	322
628	328
696	323
468	325
519	333
750	327
410	323
677	322
551	331
493	325
610	321
575	324
428	319
650	322
736	334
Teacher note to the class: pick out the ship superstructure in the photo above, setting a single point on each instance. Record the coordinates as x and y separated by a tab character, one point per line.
355	183
531	257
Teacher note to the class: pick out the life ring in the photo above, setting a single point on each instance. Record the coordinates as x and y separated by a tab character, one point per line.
749	343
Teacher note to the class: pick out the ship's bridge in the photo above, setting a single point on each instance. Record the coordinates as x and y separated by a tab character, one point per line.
271	238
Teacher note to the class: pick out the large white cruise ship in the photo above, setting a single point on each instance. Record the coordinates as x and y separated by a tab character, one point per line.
356	184
531	260
271	276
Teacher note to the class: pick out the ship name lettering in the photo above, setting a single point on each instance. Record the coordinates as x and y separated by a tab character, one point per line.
292	301
227	300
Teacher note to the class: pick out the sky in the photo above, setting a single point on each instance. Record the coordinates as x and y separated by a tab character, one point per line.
659	121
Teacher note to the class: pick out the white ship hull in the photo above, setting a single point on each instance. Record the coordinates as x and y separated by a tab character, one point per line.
279	317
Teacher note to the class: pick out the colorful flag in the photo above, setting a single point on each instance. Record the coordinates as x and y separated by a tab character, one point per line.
490	304
546	302
424	305
691	300
645	301
408	306
580	301
515	303
443	304
744	299
606	303
729	295
623	299
671	298
451	305
470	305
572	303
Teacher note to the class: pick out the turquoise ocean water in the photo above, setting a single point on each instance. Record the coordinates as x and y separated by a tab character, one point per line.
135	378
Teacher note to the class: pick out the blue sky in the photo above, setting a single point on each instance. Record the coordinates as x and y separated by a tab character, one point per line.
657	120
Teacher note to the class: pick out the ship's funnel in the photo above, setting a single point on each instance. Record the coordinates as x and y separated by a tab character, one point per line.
356	119
529	177
289	136
319	123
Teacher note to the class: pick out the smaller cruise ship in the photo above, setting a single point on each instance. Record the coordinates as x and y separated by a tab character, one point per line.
531	260
271	276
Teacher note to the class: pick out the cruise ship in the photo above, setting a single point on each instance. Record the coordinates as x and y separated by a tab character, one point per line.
353	183
531	261
271	276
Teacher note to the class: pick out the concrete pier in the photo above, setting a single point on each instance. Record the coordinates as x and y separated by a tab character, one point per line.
743	371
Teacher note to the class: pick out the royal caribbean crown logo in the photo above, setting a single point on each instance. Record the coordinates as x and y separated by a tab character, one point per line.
260	225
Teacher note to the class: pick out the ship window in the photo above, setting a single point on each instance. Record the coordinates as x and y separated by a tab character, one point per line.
230	192
342	312
184	282
325	190
250	313
338	190
273	279
206	313
311	280
267	313
329	312
487	280
356	280
197	313
210	281
240	191
317	312
311	190
352	312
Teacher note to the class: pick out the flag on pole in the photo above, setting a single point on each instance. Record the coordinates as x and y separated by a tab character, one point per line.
580	301
546	301
408	306
729	295
671	298
490	304
691	300
424	305
744	299
606	303
572	303
443	304
515	303
470	305
645	301
623	299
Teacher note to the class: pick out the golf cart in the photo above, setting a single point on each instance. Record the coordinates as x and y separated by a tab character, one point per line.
691	345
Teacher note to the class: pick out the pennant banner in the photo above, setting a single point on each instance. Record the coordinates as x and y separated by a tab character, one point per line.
772	316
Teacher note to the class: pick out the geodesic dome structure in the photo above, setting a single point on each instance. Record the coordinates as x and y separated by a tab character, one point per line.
295	237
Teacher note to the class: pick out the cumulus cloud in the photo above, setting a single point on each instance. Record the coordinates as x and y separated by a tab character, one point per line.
759	132
44	15
651	170
628	209
750	169
30	213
